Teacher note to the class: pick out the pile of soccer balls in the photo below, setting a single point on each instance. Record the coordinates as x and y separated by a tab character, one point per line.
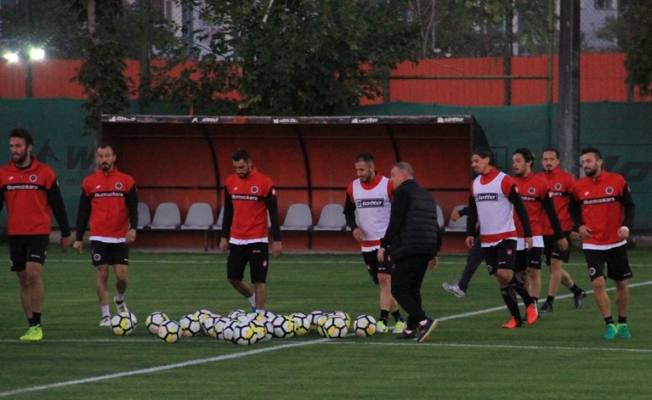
247	328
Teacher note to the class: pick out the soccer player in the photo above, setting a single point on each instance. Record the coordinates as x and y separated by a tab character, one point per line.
32	194
110	201
494	196
249	195
603	213
413	240
536	196
561	185
369	197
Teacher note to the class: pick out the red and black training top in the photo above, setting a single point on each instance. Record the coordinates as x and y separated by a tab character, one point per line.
245	208
110	201
32	194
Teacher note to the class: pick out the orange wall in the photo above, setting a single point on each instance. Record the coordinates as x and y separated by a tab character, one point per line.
602	79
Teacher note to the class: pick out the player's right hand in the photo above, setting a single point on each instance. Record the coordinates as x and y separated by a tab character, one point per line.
358	235
224	245
585	232
78	245
469	241
455	216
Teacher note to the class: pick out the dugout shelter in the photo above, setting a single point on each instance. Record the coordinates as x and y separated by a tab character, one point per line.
186	160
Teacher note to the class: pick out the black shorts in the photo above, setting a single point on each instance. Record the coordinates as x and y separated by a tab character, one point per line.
374	267
616	260
551	248
256	254
500	256
27	248
109	253
528	259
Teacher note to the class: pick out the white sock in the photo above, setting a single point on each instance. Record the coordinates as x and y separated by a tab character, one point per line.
261	312
252	300
105	311
119	297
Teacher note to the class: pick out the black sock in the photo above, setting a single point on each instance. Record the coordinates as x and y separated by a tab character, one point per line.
30	321
517	284
576	289
609	320
383	316
397	316
550	299
36	318
463	287
512	305
622	320
536	300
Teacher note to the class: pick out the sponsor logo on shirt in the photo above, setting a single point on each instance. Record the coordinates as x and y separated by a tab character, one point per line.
22	187
370	203
599	201
108	194
245	197
528	198
486	197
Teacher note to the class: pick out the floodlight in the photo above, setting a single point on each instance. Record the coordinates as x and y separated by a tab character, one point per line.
36	54
12	57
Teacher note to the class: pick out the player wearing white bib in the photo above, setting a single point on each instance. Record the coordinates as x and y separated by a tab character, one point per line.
494	197
369	198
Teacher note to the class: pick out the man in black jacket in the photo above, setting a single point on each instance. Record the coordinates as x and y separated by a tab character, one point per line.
413	239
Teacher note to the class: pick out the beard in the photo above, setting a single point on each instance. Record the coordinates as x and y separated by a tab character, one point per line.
20	158
590	171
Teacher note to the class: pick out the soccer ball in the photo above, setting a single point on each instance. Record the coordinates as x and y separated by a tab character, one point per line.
314	317
364	325
123	323
283	326
169	331
219	325
190	325
264	329
208	326
320	324
344	316
228	330
269	315
244	334
335	327
203	314
236	313
301	324
154	320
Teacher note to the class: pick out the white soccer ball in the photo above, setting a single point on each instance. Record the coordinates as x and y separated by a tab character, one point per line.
190	325
283	326
154	320
314	317
344	316
169	331
301	324
364	325
244	333
335	327
123	323
208	326
218	327
236	313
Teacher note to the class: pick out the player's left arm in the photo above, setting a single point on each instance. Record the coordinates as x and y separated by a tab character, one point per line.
549	208
58	208
630	209
272	206
132	206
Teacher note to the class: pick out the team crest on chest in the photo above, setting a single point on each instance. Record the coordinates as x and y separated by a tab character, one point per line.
609	190
33	178
254	189
118	185
557	186
531	190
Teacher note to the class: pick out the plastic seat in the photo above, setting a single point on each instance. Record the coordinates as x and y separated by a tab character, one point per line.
460	224
167	216
440	218
220	218
144	217
200	217
331	219
298	218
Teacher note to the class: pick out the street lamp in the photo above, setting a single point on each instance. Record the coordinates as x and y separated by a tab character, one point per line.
32	54
12	57
36	54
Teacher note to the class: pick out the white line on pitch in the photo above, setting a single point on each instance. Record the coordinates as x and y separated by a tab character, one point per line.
158	369
496	346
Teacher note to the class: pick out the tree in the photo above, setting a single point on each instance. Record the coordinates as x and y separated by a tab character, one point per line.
289	57
638	59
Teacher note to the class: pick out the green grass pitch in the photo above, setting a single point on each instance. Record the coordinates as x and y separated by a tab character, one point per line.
562	356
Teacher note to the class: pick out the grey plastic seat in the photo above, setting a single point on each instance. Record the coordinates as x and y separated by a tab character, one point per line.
167	216
298	218
200	217
460	224
220	218
144	217
331	219
440	218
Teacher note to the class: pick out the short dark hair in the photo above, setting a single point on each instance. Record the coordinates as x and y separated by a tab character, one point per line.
527	154
485	152
106	146
366	157
593	150
22	133
550	149
241	154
